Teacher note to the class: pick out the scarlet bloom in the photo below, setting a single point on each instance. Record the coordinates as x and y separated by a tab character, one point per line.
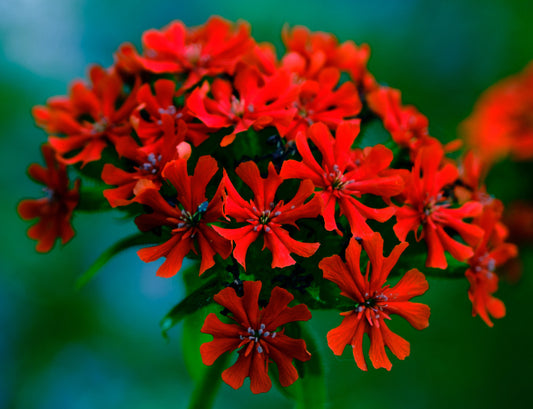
502	120
374	302
427	204
265	217
149	117
190	219
492	252
55	210
472	173
407	126
321	101
89	118
256	102
150	160
343	181
210	49
308	53
259	334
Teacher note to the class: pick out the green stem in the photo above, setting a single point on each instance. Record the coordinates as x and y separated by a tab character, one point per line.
205	392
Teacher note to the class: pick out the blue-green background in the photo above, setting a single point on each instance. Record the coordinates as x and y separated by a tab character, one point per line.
101	347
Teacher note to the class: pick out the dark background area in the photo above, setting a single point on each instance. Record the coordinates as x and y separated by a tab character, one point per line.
101	347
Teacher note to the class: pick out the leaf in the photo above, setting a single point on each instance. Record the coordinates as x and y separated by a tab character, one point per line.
92	200
310	389
199	298
137	239
192	338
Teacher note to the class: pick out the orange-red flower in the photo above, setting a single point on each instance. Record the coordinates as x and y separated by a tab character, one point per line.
265	217
89	118
308	53
150	160
190	219
210	49
259	334
428	204
251	100
343	181
492	252
502	120
148	118
407	126
324	100
374	302
55	210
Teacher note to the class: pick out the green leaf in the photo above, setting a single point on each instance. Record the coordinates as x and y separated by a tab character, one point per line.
92	200
199	298
137	239
309	390
192	338
207	387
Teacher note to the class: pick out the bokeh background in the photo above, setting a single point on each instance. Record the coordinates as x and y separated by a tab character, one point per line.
101	347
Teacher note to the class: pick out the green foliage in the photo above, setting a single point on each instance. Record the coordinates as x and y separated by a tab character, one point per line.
137	239
193	302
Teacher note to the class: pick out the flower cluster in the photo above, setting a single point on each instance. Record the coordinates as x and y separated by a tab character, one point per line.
216	147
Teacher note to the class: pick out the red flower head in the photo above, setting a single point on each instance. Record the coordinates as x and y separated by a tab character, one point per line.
321	101
472	172
343	181
150	160
149	116
265	217
55	210
90	117
189	219
308	53
256	102
259	335
210	49
373	302
407	126
492	252
502	120
428	205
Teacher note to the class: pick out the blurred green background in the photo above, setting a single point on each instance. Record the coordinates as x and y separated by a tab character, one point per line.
101	347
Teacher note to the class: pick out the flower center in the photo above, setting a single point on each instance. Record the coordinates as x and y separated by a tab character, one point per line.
336	178
254	338
373	307
100	126
191	220
151	164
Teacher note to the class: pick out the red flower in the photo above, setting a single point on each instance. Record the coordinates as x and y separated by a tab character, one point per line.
190	223
343	181
89	117
55	210
258	334
257	101
472	172
502	120
492	252
407	126
373	302
322	101
265	217
211	49
428	204
150	161
309	53
147	119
